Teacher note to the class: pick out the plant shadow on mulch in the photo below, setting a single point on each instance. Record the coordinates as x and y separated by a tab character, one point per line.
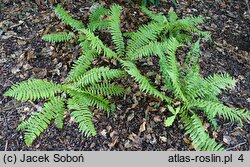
137	124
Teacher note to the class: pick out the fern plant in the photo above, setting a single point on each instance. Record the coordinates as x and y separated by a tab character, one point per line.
196	94
85	87
162	37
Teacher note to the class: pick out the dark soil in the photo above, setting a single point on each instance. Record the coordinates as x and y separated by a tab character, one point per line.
137	124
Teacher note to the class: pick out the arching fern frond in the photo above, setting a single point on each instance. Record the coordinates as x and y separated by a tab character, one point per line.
82	116
216	108
155	17
58	37
80	67
196	131
193	56
24	124
145	34
40	121
144	51
104	89
189	24
67	19
98	74
115	29
220	82
96	19
144	83
97	44
33	89
173	68
91	99
206	88
59	118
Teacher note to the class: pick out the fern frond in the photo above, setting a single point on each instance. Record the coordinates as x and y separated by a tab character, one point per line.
67	19
183	37
115	29
220	82
144	83
96	21
33	89
80	67
82	116
197	132
164	69
104	89
172	17
40	121
155	17
145	34
24	124
58	37
206	88
189	24
215	108
173	68
59	118
97	45
144	51
197	87
191	21
91	99
98	74
193	55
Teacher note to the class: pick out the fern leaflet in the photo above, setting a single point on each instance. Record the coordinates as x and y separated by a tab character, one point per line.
33	89
82	116
58	37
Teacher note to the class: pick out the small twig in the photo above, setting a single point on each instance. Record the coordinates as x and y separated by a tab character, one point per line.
235	146
6	145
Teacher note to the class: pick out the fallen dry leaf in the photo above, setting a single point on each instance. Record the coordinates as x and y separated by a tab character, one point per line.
143	127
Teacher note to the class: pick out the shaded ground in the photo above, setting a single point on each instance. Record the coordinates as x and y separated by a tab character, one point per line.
137	122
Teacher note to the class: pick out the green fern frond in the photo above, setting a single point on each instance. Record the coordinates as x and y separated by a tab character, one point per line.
115	29
197	87
40	121
96	21
91	99
206	88
59	118
82	116
172	17
33	89
80	67
220	82
193	55
144	51
104	89
58	37
155	17
145	35
216	108
173	68
144	83
67	19
164	69
97	45
191	21
197	132
187	24
98	74
24	124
